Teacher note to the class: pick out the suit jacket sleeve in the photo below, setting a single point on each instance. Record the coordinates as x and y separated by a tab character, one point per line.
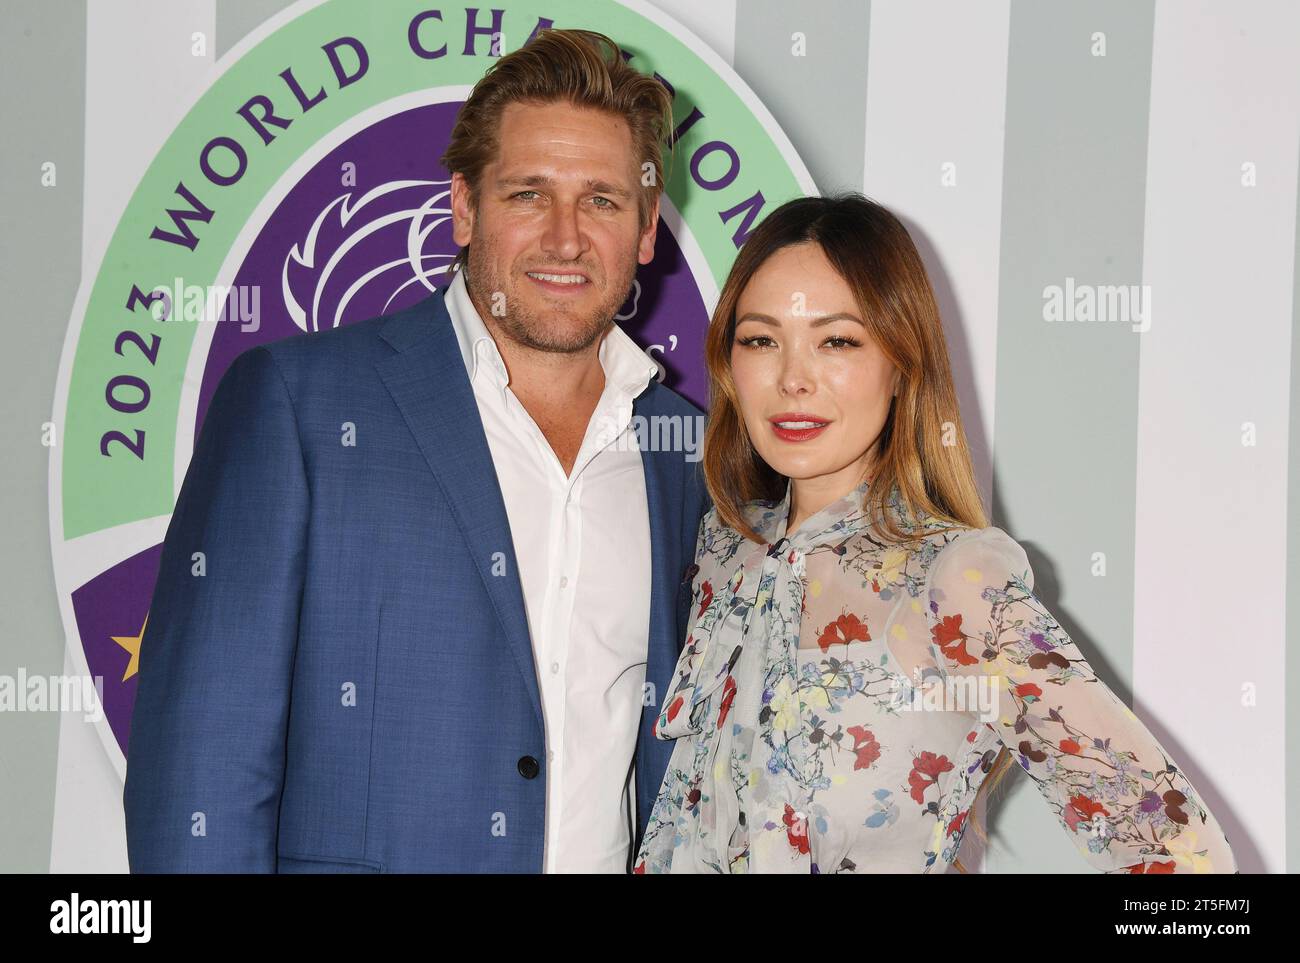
206	756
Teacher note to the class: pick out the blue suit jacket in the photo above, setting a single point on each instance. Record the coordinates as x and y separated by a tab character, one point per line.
347	686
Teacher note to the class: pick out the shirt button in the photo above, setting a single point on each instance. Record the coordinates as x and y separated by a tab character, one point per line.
555	667
564	581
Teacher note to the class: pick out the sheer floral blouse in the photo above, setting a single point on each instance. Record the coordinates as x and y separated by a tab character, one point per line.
839	700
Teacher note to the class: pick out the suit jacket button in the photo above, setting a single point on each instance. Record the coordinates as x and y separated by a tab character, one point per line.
528	767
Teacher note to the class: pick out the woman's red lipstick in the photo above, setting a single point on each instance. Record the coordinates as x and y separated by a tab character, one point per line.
797	425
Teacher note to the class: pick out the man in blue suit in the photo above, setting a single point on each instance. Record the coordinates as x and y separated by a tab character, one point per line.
442	591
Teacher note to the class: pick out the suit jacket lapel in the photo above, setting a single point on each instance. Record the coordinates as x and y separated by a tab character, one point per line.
429	383
663	485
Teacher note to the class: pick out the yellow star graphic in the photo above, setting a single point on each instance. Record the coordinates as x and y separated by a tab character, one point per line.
132	644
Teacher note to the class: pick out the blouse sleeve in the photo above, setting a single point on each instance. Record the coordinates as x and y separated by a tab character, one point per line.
1124	802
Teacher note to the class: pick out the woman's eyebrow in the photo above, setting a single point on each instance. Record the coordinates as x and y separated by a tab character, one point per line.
815	322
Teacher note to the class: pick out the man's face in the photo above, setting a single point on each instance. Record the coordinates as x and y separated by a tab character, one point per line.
556	236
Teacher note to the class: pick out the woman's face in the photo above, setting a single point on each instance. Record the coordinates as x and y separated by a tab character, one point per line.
814	389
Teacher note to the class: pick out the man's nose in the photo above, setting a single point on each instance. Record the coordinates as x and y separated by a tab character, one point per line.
563	237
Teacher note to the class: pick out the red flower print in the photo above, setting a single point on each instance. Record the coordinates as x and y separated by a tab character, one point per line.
1151	869
706	599
675	707
640	868
952	640
1027	690
728	694
1086	807
955	826
1071	746
926	769
1081	810
865	747
845	629
919	784
796	829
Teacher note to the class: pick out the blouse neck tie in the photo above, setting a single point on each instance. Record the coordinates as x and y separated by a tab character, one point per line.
738	691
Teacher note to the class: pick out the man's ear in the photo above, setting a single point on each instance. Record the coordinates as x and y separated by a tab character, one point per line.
646	245
462	210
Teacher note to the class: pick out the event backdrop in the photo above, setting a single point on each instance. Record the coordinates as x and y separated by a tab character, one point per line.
1105	194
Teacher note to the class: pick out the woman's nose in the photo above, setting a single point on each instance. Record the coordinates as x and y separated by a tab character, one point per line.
794	376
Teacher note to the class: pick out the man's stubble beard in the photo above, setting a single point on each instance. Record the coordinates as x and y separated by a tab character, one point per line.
528	328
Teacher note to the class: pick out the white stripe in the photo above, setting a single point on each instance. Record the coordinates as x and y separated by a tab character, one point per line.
937	97
713	22
1209	612
142	77
722	67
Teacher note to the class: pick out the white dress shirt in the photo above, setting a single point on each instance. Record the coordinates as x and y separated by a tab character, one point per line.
582	542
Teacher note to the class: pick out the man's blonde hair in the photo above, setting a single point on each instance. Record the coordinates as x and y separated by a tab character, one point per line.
579	67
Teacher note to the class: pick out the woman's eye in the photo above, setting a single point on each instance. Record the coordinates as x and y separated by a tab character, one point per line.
837	343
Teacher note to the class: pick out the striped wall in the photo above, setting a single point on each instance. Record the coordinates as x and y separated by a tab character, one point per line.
1147	462
1151	145
1213	408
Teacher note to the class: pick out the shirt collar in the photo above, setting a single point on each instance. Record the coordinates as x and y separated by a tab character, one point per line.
628	369
471	333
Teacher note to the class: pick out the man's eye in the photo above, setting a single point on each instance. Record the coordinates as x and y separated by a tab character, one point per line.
522	193
608	202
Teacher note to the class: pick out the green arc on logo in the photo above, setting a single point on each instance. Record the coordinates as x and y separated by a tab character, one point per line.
122	385
732	165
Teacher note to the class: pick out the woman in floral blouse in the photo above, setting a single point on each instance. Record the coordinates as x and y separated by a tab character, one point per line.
864	650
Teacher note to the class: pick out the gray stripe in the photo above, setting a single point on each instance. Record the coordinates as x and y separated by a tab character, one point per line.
820	99
237	18
1065	424
42	54
1291	730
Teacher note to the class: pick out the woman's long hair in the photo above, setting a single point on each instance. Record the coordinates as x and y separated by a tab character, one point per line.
922	448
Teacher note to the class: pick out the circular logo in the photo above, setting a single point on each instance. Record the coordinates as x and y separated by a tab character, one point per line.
303	192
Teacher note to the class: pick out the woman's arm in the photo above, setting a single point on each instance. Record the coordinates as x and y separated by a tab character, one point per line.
1124	802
